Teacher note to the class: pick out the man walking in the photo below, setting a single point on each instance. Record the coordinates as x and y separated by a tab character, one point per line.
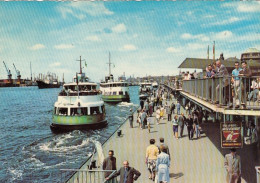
181	121
131	118
143	118
172	108
168	111
189	124
127	174
232	164
178	108
165	146
109	163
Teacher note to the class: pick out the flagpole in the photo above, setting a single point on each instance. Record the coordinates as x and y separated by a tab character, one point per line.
213	51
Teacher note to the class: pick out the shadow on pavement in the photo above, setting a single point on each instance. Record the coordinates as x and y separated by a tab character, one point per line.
176	175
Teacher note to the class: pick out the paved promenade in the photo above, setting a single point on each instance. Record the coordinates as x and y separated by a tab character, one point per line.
192	161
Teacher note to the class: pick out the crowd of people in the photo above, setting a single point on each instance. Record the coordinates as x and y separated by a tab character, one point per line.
157	157
236	87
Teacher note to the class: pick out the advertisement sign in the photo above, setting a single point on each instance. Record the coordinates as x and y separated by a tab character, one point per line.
231	135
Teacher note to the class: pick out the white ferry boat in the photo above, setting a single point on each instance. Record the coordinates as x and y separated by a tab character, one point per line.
79	106
155	85
114	91
145	87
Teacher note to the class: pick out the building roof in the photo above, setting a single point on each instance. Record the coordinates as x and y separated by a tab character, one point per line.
252	50
202	63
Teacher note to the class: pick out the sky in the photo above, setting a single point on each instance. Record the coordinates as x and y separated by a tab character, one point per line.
144	38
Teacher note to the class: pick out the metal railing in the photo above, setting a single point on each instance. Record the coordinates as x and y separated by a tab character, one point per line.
223	91
257	168
87	176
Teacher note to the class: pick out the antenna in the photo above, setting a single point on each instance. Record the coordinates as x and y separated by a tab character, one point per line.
31	70
80	64
109	63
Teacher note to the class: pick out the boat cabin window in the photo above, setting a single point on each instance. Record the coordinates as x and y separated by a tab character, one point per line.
94	110
78	111
114	93
120	93
63	111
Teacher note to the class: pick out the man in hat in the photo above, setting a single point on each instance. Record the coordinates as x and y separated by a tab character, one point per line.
232	165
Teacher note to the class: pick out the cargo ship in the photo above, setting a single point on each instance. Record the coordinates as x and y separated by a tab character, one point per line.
48	81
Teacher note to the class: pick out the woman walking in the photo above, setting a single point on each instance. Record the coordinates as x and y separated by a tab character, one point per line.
158	111
152	152
175	126
162	166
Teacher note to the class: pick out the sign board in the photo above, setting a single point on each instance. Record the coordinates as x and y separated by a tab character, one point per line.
231	135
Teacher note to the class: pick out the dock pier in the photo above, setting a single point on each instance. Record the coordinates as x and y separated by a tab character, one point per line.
192	161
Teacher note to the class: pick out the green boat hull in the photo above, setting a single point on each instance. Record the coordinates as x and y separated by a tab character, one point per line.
116	98
68	123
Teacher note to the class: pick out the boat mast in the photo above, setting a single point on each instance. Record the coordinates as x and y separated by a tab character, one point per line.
80	68
109	63
31	70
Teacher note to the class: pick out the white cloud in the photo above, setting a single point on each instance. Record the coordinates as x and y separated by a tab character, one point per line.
93	38
209	16
228	21
55	64
186	36
80	9
253	7
196	46
37	47
63	46
201	37
120	28
173	50
135	35
223	35
244	6
128	47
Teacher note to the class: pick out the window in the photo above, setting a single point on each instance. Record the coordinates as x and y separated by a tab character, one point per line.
94	110
114	93
62	111
94	87
126	93
120	93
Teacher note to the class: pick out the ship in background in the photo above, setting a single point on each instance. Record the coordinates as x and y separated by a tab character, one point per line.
48	81
114	91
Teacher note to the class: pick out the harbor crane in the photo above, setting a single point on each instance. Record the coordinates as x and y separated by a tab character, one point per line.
18	75
8	73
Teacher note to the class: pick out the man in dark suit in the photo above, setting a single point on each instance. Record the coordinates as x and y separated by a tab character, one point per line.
109	163
189	124
127	174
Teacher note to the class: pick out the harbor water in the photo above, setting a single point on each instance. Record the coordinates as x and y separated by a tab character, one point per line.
30	152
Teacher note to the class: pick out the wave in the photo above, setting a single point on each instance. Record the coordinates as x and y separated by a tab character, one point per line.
16	174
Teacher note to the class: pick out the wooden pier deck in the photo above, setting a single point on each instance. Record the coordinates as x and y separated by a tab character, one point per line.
192	161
